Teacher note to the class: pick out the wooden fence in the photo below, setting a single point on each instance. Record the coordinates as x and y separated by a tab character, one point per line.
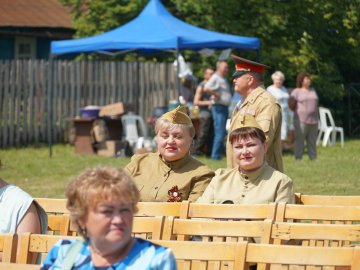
37	96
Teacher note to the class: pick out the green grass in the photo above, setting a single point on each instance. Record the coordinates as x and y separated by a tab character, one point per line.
335	172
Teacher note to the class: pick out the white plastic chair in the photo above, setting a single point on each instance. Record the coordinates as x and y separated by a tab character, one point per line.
134	127
327	127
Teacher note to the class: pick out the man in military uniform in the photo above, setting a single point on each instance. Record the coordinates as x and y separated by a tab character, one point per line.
259	103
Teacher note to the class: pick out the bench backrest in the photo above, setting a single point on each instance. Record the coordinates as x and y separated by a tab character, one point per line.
309	234
148	227
59	224
174	209
8	245
37	243
299	256
327	200
216	230
232	211
58	206
203	255
318	213
54	206
19	266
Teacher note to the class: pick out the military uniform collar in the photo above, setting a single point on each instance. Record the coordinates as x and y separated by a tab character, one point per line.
173	165
253	95
254	175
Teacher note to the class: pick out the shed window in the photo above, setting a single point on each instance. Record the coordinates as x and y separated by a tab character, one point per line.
25	47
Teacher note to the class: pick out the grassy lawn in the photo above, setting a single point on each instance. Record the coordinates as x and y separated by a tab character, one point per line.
335	172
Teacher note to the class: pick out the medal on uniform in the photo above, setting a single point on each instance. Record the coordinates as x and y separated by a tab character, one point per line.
174	195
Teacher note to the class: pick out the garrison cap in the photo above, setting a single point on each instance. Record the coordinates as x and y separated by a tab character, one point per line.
243	66
178	116
246	120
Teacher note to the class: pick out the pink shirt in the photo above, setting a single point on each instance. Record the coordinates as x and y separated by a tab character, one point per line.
306	105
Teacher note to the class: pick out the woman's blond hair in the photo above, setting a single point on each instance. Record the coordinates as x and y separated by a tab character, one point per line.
278	74
162	124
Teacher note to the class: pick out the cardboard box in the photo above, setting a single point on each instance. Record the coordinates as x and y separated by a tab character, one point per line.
115	109
99	133
111	148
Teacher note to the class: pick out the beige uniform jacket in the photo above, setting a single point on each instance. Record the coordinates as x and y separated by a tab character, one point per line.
154	177
267	112
265	185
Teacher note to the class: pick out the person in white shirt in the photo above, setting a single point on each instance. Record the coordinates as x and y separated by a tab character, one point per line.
219	88
20	213
278	90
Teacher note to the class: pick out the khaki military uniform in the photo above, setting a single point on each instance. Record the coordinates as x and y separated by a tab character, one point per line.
264	185
267	112
154	177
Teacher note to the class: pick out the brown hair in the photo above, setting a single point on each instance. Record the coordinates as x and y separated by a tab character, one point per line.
95	185
300	78
246	132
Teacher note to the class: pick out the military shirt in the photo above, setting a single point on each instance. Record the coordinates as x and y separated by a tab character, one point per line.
264	185
267	112
154	177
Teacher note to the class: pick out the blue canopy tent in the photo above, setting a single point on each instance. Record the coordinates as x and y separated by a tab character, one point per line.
154	29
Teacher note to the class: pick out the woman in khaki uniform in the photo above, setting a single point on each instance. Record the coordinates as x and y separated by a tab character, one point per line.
170	174
252	181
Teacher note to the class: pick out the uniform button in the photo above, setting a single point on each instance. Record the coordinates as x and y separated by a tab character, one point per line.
243	195
246	177
156	187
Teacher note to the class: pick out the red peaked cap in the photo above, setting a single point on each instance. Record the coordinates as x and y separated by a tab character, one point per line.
243	66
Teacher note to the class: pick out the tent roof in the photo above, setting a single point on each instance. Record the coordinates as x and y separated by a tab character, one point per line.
154	29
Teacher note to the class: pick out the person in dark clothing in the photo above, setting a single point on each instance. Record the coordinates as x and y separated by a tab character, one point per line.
203	101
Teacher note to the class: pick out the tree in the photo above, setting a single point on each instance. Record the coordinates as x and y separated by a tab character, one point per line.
93	17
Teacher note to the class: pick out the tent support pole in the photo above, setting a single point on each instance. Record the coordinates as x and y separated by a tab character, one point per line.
178	86
49	103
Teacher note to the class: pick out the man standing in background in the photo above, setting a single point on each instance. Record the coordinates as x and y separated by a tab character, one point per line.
219	89
248	82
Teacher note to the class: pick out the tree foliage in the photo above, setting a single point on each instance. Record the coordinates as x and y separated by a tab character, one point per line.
93	17
319	36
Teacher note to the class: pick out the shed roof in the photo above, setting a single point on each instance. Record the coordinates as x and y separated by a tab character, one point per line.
34	13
